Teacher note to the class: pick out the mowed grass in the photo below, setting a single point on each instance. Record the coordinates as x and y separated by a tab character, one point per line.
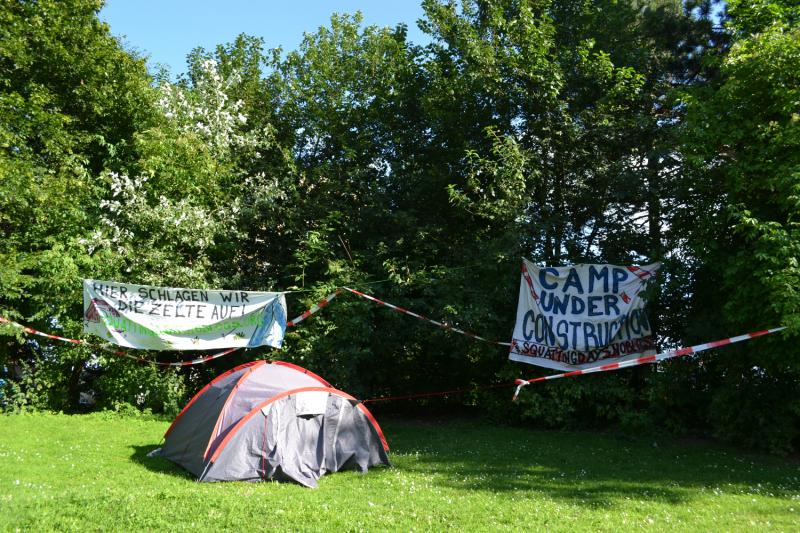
91	472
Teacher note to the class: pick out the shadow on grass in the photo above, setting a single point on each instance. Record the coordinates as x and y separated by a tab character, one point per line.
593	470
157	463
590	469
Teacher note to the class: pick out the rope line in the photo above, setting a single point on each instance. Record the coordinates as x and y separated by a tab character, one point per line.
424	318
697	348
199	360
600	368
314	308
291	323
110	350
520	383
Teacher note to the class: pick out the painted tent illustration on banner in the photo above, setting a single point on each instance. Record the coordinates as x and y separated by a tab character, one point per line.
575	317
161	318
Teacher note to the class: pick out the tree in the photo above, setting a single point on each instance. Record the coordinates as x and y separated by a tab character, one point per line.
580	153
741	141
70	97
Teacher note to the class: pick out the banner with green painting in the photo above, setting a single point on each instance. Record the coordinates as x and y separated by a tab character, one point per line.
162	318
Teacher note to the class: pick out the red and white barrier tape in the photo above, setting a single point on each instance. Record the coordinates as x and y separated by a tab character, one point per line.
697	348
529	281
424	318
640	272
196	361
108	349
320	305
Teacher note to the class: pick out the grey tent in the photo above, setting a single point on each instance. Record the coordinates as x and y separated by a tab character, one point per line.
273	420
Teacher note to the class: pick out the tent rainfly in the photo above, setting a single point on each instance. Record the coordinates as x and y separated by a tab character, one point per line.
273	420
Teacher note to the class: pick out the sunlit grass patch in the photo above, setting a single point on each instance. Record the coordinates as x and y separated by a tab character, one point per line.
92	472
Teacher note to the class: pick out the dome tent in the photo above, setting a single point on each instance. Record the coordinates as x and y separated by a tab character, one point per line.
273	420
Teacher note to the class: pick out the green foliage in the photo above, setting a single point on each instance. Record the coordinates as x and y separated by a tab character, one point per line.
752	409
179	199
741	143
563	131
68	97
754	16
60	72
143	386
744	137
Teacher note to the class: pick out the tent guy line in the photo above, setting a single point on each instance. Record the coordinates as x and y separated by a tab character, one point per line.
421	395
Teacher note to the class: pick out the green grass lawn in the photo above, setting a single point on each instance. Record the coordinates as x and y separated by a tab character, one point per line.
91	473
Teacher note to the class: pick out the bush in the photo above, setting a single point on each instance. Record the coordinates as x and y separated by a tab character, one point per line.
124	383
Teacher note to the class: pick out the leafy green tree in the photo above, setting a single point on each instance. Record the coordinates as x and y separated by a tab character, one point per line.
740	221
70	97
573	150
166	214
332	111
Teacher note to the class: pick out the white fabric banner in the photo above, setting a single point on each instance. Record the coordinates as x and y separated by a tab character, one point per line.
161	318
575	317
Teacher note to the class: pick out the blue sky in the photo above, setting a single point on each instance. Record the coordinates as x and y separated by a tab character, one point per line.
167	30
